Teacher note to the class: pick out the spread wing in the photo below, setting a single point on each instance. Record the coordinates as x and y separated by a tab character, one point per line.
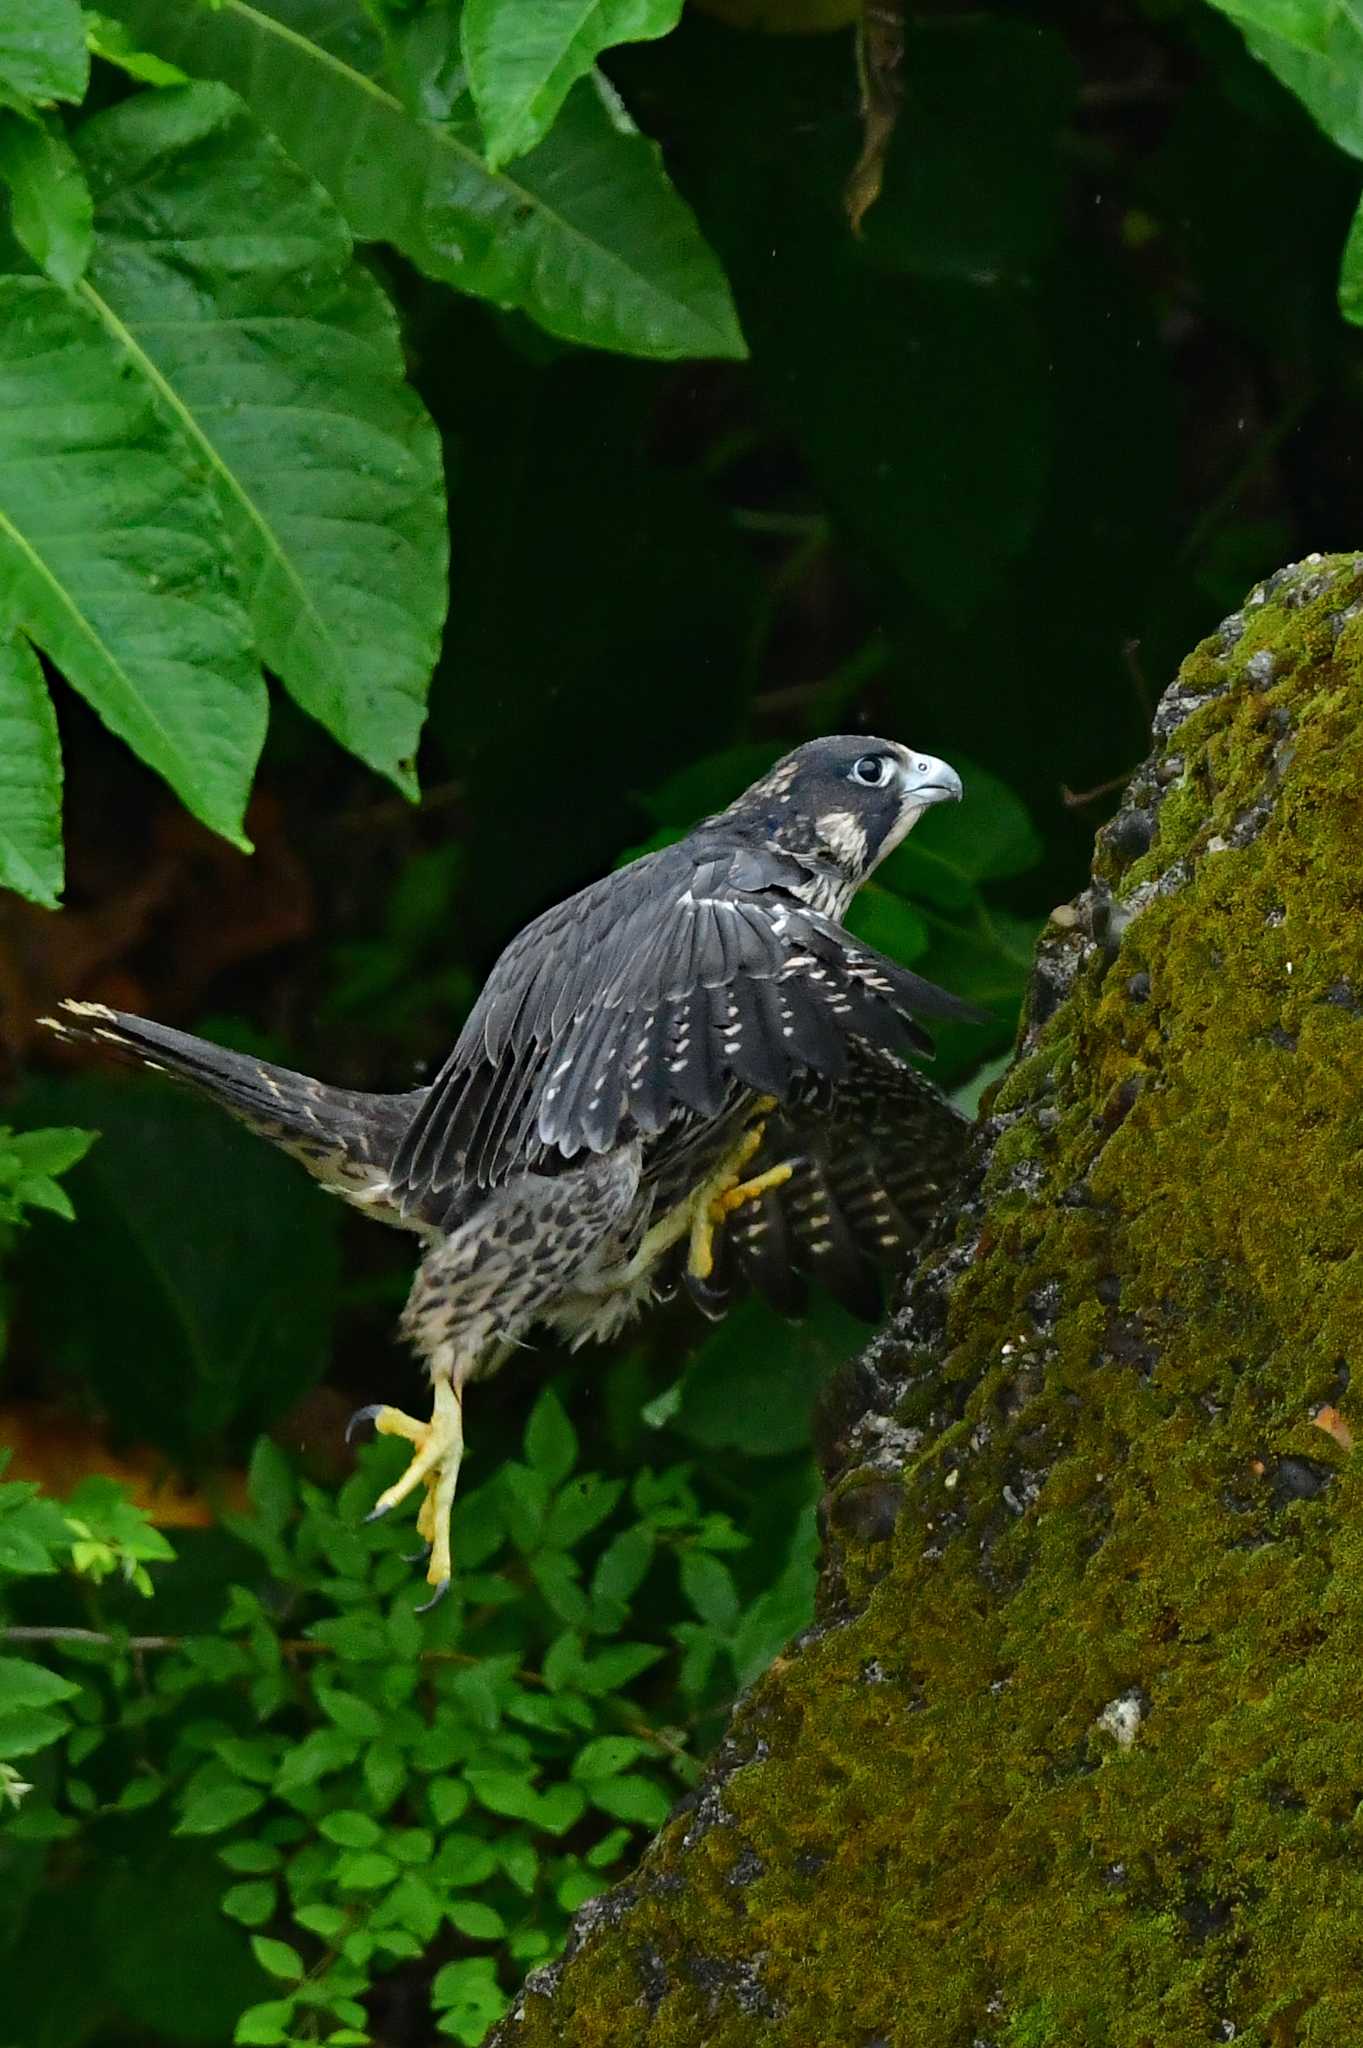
651	992
874	1154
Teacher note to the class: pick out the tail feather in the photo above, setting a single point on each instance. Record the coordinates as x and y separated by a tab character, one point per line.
345	1138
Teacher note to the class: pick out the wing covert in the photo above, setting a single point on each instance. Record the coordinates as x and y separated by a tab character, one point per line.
654	990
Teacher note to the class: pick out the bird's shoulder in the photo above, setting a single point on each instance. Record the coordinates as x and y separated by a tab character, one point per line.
593	943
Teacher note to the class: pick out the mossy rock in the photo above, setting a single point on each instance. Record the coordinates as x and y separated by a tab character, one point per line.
1073	1757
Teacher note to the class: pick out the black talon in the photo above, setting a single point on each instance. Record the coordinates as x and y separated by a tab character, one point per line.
441	1590
376	1514
422	1556
362	1415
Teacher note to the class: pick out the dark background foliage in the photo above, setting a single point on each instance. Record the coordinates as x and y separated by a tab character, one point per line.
989	469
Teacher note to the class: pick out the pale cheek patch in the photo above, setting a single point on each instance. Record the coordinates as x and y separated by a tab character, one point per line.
901	828
845	836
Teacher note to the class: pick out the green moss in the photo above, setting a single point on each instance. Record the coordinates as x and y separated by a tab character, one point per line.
935	1835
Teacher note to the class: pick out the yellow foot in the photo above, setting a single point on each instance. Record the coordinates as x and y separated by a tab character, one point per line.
438	1447
721	1201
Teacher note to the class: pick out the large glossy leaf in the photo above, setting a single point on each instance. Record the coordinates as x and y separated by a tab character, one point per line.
989	837
523	56
42	50
114	557
280	360
1316	48
588	236
30	777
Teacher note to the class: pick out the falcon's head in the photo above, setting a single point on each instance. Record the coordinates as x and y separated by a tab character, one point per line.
843	803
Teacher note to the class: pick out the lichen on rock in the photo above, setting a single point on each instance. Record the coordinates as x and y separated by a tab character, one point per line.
1072	1757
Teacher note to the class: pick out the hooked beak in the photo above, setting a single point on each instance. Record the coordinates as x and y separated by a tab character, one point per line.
928	781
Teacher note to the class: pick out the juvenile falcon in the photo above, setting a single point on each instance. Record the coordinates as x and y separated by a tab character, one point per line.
688	1071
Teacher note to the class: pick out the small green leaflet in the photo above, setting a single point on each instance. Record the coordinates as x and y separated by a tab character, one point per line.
30	778
49	198
588	237
524	56
280	361
111	40
113	556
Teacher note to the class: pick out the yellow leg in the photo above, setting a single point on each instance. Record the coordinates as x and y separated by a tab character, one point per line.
662	1235
700	1258
438	1448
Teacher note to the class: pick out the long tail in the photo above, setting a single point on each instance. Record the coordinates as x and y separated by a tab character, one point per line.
345	1138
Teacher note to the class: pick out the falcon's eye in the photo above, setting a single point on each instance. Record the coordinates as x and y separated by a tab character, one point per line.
872	771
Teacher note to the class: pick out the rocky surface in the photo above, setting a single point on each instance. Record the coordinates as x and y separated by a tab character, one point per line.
1073	1753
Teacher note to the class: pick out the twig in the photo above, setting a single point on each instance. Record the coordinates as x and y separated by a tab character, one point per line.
1075	799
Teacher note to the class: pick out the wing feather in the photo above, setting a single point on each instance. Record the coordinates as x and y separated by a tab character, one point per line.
656	990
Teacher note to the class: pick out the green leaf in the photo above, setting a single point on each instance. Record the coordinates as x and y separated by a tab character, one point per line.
50	207
36	1191
355	1716
589	238
54	1150
608	1850
989	837
112	556
252	1903
282	365
254	1758
477	1921
367	1870
508	1793
574	1889
889	924
318	1755
523	58
1304	22
580	1506
250	1858
632	1799
550	1441
385	1773
752	1386
31	1684
30	778
448	1798
612	1668
110	40
556	1576
464	1861
351	1830
526	1493
328	1921
709	1586
561	1807
360	1637
607	1755
786	1607
1315	47
623	1565
277	1958
215	1807
42	50
264	2025
26	1729
269	1482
